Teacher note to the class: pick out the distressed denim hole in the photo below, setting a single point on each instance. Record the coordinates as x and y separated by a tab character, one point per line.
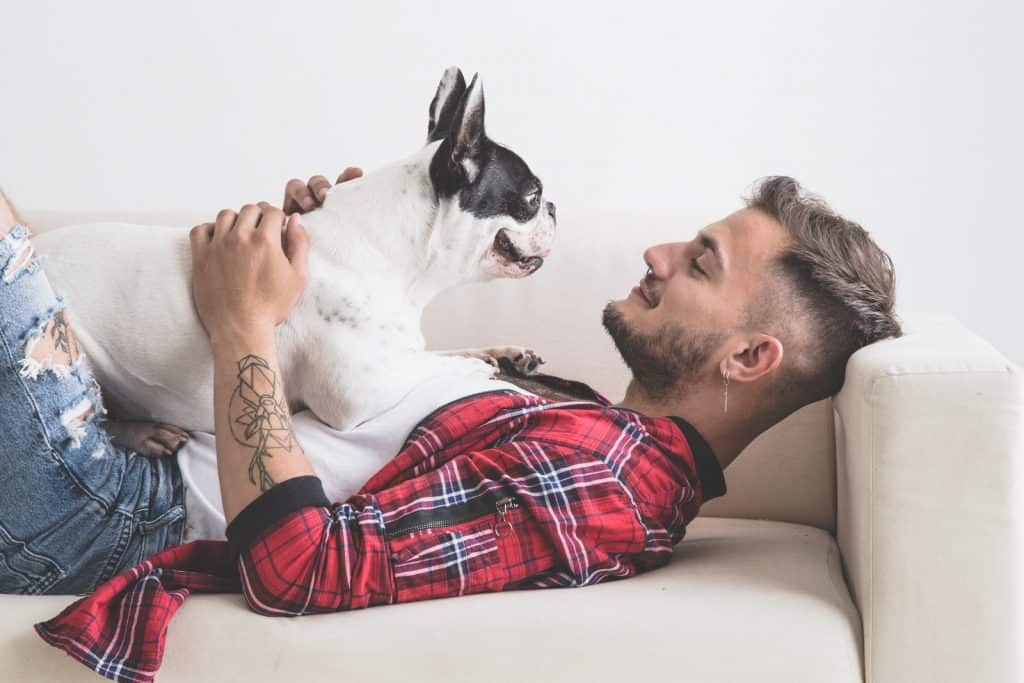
20	260
56	349
74	420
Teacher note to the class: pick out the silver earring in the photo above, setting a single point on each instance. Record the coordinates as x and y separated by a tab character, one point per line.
725	376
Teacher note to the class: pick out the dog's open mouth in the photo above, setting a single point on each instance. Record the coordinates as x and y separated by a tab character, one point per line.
504	248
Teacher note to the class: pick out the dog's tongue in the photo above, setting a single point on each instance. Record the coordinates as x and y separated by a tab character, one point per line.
532	264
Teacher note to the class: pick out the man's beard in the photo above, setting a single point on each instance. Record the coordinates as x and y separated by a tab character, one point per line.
663	363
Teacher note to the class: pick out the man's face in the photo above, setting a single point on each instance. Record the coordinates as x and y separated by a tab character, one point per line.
677	324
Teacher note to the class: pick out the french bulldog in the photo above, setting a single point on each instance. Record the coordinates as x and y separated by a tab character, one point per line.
463	208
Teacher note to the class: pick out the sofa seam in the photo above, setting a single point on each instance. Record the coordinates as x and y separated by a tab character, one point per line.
1009	370
869	629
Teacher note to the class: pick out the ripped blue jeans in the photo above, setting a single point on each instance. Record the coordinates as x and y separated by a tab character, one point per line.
75	509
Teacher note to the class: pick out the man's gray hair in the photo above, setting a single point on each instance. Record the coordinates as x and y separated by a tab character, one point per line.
835	294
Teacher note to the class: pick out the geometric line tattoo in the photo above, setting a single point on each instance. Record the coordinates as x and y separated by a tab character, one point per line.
258	416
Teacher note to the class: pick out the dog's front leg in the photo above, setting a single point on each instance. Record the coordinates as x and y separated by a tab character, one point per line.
518	359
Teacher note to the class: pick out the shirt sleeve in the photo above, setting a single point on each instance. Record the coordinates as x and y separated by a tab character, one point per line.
316	557
273	505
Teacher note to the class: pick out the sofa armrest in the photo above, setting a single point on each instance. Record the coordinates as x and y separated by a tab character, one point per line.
930	479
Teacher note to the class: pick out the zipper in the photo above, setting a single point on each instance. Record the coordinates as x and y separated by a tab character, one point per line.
504	505
452	515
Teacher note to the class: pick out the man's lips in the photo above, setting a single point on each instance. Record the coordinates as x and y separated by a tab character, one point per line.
639	291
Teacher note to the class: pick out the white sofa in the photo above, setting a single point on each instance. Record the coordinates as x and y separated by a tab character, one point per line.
878	537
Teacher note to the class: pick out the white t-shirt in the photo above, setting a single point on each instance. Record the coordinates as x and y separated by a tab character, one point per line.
344	461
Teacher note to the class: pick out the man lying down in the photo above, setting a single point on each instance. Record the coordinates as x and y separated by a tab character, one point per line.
497	485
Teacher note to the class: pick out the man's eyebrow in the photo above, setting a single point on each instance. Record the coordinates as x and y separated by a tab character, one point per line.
710	243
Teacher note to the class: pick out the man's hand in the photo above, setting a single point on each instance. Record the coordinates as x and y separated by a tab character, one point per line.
247	274
246	277
300	197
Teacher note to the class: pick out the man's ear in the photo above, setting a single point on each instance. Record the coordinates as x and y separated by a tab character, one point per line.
759	357
446	101
466	136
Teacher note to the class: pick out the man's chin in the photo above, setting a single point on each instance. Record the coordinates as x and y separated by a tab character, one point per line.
661	362
612	310
615	322
619	306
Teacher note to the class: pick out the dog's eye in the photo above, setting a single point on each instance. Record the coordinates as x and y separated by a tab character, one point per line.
533	197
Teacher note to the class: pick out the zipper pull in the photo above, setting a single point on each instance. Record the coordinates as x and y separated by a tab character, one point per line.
504	505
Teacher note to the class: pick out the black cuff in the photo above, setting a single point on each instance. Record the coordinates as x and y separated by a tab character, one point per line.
279	501
709	470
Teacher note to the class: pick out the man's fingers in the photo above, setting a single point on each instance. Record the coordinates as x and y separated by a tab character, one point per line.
199	238
225	221
178	432
318	186
247	219
200	234
271	221
296	243
350	173
290	203
297	197
300	197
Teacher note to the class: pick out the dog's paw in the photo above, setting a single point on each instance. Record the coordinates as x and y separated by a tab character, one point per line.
514	359
151	439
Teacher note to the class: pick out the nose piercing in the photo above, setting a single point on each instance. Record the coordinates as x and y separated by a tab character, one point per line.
649	272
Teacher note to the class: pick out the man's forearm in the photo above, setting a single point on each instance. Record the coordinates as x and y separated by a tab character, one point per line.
256	447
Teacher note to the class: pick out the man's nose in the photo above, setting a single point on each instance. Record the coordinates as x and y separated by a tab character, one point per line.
658	259
551	209
652	261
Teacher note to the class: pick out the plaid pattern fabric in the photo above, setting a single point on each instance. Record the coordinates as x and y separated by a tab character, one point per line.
119	630
599	494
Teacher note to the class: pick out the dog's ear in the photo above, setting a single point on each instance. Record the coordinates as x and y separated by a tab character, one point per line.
445	102
466	136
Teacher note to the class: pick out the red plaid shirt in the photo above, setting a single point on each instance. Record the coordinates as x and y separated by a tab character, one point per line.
496	491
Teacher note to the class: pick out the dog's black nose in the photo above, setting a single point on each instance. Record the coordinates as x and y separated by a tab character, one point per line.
551	210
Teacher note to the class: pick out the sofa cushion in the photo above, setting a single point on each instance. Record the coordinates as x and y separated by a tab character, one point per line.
741	600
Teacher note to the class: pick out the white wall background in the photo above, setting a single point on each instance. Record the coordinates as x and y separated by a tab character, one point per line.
905	116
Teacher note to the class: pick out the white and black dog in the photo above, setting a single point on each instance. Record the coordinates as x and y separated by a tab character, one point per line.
461	209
